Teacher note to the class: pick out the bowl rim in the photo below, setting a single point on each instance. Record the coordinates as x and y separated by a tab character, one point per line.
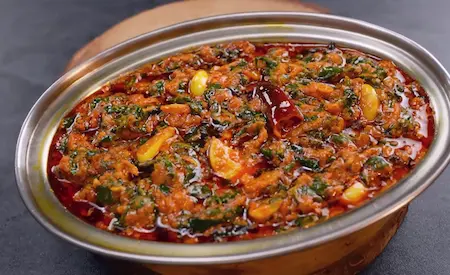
363	216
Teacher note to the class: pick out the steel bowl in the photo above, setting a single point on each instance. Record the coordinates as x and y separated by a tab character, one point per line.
306	251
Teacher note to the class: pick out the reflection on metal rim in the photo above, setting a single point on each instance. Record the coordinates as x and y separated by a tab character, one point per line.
41	123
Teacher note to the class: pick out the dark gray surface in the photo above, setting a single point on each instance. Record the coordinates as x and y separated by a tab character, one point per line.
37	38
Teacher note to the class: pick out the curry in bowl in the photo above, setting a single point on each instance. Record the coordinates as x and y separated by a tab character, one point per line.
239	141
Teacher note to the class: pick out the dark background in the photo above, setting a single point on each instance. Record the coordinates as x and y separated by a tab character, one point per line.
37	38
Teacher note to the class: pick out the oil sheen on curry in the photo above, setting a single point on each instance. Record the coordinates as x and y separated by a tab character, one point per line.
239	141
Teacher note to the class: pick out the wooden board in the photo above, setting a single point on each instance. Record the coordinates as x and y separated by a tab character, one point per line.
173	13
347	255
344	256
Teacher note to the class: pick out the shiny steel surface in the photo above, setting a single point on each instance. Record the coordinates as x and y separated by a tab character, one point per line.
40	125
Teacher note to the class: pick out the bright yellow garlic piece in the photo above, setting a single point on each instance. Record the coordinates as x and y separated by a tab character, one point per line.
369	102
151	147
354	194
263	212
198	83
224	159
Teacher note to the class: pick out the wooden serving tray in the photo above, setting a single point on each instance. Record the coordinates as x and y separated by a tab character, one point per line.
347	255
173	13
